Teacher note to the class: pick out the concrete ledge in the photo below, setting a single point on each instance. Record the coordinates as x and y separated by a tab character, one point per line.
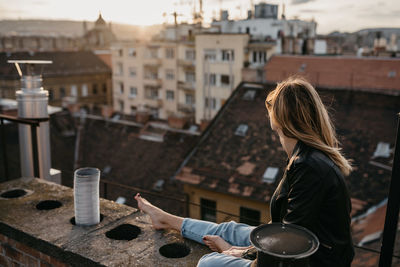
51	232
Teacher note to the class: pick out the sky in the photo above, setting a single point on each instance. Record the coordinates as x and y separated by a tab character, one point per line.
331	15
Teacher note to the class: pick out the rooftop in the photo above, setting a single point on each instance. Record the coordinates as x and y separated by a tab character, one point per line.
64	63
377	74
227	162
47	235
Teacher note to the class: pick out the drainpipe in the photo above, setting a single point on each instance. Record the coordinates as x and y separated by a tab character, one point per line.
32	104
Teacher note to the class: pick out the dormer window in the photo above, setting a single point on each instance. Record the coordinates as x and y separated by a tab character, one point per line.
241	130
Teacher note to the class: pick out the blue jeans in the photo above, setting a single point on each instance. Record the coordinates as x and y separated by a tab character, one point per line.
236	234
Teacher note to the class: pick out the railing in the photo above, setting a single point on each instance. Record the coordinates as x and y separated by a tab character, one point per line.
34	123
393	205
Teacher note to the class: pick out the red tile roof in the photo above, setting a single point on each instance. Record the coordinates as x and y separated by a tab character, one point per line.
338	72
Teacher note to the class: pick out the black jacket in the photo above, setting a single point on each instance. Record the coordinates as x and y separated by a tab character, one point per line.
313	194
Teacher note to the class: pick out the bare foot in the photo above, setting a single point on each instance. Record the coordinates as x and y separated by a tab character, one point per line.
216	243
156	214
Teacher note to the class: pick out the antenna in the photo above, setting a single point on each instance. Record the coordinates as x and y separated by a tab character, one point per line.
29	65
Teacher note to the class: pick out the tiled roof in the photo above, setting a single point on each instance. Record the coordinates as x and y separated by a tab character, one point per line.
338	72
64	63
228	163
367	232
134	160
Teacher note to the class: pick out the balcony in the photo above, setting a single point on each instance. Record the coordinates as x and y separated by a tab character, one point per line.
188	86
45	234
186	63
154	82
186	108
152	61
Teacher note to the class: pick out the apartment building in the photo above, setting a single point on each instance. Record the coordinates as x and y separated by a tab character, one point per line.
219	61
156	76
75	77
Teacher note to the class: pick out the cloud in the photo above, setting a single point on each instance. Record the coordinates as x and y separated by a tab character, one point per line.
299	2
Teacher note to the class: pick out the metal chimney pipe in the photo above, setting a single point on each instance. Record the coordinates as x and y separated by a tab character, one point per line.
32	104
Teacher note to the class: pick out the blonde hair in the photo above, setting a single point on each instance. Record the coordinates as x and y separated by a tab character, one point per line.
296	107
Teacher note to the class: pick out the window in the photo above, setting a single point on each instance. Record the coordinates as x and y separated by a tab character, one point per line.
259	57
169	52
151	93
62	92
132	72
151	74
190	77
104	88
210	55
170	95
94	89
120	52
241	130
121	87
169	74
121	105
208	210
225	80
132	52
249	216
152	52
190	54
120	69
84	89
133	92
227	55
210	103
210	79
189	99
74	90
270	175
155	112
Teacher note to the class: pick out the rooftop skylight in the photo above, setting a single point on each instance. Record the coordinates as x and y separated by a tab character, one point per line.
270	175
392	74
249	95
382	150
241	130
303	67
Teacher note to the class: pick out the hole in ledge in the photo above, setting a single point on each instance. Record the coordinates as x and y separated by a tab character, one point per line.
124	232
48	205
14	193
72	220
174	250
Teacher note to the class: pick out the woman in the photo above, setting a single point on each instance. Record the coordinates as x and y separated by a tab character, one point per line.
312	192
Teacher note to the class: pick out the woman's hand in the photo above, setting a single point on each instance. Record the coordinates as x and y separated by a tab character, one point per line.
236	251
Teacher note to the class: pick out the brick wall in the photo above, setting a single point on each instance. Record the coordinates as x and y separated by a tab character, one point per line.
14	253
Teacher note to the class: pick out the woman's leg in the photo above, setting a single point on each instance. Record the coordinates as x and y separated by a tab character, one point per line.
236	234
220	259
159	218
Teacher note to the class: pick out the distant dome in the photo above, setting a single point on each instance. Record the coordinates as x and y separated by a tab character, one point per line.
100	21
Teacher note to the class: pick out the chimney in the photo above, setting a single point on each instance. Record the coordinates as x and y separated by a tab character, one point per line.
32	104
